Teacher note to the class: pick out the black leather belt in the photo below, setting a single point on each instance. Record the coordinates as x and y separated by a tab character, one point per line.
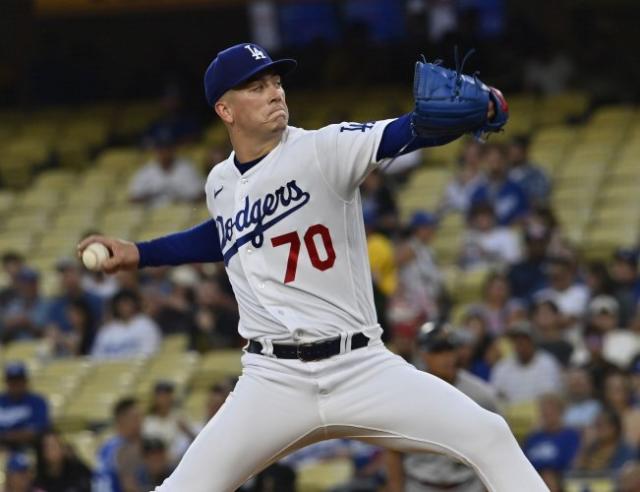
308	352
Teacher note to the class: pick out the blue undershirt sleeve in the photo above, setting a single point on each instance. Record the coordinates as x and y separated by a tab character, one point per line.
398	133
199	244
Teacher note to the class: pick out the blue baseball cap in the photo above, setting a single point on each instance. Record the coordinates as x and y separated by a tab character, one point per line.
18	462
422	218
15	370
238	64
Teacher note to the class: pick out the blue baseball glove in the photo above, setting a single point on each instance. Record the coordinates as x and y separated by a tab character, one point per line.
449	102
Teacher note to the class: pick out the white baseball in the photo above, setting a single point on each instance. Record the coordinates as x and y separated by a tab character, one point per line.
94	255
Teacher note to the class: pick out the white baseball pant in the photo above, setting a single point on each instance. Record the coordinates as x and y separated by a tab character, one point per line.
370	394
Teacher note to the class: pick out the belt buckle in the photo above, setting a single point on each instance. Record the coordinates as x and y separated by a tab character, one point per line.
299	348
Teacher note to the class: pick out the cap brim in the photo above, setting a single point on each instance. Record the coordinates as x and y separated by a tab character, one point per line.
282	67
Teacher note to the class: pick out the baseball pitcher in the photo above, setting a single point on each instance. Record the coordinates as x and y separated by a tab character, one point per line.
286	220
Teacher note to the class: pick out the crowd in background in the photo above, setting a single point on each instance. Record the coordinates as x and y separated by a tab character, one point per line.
548	326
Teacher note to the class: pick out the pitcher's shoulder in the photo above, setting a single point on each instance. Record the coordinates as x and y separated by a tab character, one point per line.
218	172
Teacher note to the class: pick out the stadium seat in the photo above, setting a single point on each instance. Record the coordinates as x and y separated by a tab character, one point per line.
452	223
216	366
469	286
18	241
85	444
133	119
59	180
120	161
177	215
174	344
589	485
23	222
38	200
28	351
522	418
194	405
73	154
323	476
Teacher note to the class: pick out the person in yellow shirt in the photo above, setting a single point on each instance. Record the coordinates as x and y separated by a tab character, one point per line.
381	256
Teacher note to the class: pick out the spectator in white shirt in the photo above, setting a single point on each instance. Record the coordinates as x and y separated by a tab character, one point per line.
485	243
421	282
582	408
130	333
166	178
164	421
570	296
619	345
529	372
457	194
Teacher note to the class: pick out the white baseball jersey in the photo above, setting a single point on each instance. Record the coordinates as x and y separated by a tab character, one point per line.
292	234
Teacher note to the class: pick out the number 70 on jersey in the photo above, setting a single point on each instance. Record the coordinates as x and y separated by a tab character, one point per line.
314	235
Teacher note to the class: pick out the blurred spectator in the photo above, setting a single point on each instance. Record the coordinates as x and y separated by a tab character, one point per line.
58	468
485	356
120	457
548	72
278	477
582	407
175	119
430	471
79	340
12	263
469	176
626	284
25	315
164	422
486	244
529	372
58	318
603	448
619	345
597	366
24	415
542	218
598	279
378	199
216	318
568	294
369	472
629	477
531	178
19	474
130	333
381	256
175	312
100	284
506	196
618	397
495	297
529	275
548	329
554	446
156	464
167	178
420	279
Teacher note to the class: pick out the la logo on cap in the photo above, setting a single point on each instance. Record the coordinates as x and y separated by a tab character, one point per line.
256	53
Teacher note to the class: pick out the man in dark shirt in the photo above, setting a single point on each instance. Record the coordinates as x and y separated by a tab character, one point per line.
626	284
507	197
529	275
72	290
554	446
23	415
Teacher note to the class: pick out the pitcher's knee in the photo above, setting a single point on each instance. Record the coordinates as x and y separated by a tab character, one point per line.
490	430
